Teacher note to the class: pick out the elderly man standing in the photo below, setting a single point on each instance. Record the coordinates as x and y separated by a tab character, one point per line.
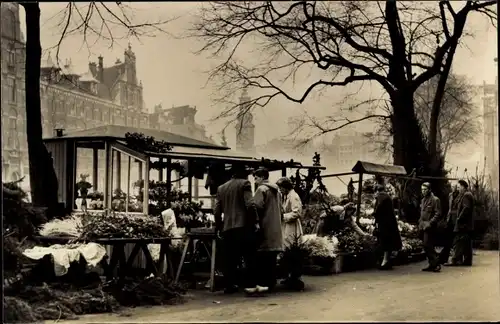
463	228
449	224
430	214
238	228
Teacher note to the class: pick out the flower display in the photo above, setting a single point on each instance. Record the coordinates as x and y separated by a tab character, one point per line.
326	247
351	242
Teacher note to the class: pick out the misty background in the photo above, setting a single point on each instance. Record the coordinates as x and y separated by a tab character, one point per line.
173	75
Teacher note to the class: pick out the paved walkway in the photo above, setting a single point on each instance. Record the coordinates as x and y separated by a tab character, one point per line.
405	294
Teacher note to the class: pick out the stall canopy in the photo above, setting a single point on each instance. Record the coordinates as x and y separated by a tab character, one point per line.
118	133
111	140
378	169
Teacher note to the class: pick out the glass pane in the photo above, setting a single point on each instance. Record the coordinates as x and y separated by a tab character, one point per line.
89	186
127	191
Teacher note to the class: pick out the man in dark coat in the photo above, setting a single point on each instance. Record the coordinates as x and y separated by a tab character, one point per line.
464	226
449	225
238	228
387	232
430	214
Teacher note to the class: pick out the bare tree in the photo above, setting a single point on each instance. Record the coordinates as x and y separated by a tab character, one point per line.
459	118
400	46
97	18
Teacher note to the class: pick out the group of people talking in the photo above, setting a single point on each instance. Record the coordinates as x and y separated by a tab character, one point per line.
255	226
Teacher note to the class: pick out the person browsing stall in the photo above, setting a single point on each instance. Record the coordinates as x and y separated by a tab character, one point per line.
267	201
291	226
238	229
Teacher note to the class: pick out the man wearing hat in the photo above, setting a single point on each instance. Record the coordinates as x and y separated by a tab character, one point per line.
430	215
463	228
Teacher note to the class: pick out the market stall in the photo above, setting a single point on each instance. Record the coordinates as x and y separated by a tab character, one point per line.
345	248
143	152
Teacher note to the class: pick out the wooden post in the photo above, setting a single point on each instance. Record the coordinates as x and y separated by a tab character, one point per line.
118	170
283	172
145	206
106	175
110	179
190	182
169	181
178	182
139	168
160	170
196	188
95	164
360	189
128	185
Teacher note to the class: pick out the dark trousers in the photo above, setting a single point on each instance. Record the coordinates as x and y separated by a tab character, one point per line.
239	244
266	268
429	241
462	245
448	240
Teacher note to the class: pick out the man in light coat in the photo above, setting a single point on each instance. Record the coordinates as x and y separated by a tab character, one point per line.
267	201
449	224
291	226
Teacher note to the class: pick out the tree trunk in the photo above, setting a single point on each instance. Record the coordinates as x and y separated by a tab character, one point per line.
408	141
440	90
43	179
409	150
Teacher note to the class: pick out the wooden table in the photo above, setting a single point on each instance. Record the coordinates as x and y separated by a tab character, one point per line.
118	258
208	236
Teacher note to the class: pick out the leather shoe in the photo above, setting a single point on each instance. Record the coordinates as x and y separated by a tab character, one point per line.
231	290
432	269
452	264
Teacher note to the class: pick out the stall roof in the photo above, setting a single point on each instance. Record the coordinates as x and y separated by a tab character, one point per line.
226	156
118	132
378	169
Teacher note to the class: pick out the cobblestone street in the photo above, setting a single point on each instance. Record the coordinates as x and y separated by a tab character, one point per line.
405	294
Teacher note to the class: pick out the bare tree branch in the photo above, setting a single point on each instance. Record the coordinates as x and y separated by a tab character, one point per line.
103	21
400	46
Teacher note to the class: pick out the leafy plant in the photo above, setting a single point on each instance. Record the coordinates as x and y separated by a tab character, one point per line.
294	257
142	143
187	213
486	209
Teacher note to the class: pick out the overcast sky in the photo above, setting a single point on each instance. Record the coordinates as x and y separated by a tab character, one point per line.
172	74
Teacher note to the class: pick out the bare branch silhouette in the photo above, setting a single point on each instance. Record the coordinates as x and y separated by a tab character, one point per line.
399	45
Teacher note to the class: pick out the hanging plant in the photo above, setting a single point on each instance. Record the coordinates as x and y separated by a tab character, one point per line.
142	143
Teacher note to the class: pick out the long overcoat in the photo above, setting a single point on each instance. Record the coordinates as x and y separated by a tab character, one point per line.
267	200
292	213
465	214
388	234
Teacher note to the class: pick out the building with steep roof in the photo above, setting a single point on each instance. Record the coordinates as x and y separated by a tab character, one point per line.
101	95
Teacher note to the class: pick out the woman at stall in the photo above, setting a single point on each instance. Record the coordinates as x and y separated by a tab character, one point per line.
386	226
290	223
343	215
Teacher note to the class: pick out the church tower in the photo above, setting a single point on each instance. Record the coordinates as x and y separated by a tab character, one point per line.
245	129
